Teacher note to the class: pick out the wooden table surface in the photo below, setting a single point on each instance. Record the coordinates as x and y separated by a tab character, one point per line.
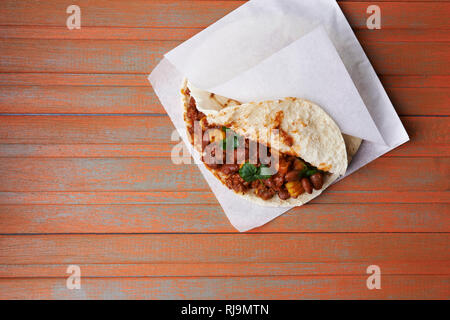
86	176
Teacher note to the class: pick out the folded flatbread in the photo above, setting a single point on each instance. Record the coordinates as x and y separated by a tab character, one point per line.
306	150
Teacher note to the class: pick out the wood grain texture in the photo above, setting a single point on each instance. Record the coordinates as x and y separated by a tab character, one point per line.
200	14
154	270
203	218
100	190
320	287
207	197
140	80
121	56
156	174
223	248
154	136
141	99
148	33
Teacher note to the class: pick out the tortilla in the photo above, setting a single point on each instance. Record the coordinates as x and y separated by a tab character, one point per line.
207	102
352	145
304	130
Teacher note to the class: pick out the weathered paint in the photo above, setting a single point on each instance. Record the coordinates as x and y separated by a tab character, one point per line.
200	14
65	179
139	99
140	56
150	136
148	33
131	80
291	287
152	174
223	269
197	217
224	248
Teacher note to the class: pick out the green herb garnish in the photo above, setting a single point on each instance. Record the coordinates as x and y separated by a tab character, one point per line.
250	172
310	172
304	171
307	170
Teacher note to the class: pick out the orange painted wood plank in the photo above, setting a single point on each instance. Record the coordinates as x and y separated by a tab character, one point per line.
420	101
79	56
151	136
98	33
403	15
419	149
207	197
132	80
148	130
146	33
122	56
223	269
390	216
86	129
199	14
108	13
172	218
385	196
402	35
416	57
111	80
321	287
78	99
426	134
120	197
414	81
159	174
142	99
90	150
373	248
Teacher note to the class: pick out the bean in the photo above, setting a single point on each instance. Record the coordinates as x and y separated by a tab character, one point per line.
278	180
293	175
317	180
268	182
299	164
255	184
213	165
230	168
236	183
284	194
265	193
306	184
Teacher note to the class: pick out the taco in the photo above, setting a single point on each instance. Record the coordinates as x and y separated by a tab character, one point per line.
304	148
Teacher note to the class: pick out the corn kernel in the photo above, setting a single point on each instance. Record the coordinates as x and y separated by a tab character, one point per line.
294	188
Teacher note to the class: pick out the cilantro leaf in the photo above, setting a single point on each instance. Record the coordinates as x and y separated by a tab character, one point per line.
310	172
249	172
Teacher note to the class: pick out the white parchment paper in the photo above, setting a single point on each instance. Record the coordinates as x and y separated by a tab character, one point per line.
270	49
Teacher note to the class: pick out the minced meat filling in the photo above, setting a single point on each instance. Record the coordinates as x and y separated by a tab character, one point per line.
292	178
